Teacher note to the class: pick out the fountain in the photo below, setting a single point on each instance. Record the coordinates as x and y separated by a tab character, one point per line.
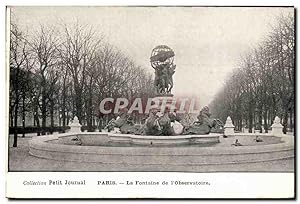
163	141
162	119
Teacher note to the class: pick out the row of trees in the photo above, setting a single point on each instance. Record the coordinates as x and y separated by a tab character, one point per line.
263	84
59	73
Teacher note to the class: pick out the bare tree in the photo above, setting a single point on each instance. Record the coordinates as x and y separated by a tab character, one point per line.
70	72
77	51
43	46
18	57
263	84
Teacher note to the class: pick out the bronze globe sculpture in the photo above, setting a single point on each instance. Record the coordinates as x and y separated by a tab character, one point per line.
162	60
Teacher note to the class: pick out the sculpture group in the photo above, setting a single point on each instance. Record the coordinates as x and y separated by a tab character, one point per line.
165	122
162	58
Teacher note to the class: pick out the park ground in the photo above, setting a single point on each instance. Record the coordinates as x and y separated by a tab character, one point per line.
20	160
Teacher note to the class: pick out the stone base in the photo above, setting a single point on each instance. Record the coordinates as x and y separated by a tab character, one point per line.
166	102
277	131
159	156
228	131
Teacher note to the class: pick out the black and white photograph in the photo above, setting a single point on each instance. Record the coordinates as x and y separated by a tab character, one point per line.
168	89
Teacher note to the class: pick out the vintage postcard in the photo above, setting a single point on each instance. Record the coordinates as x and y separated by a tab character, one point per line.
150	102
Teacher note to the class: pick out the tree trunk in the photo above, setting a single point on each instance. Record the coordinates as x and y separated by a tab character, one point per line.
260	120
11	117
44	108
16	123
285	120
90	108
266	122
64	116
250	122
250	117
36	116
68	118
240	124
78	105
51	116
15	144
63	109
59	120
291	120
23	114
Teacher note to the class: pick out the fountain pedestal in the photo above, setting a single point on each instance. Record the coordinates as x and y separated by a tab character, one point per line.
165	103
75	125
228	127
277	127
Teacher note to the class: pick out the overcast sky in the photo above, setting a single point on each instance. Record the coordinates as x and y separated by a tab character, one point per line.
207	41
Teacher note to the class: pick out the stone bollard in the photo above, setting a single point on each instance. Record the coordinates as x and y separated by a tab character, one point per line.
75	125
277	127
228	127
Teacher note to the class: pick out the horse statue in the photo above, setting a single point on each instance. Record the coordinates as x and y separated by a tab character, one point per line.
204	124
124	122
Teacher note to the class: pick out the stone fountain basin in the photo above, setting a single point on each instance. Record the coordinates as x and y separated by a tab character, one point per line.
164	151
101	139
